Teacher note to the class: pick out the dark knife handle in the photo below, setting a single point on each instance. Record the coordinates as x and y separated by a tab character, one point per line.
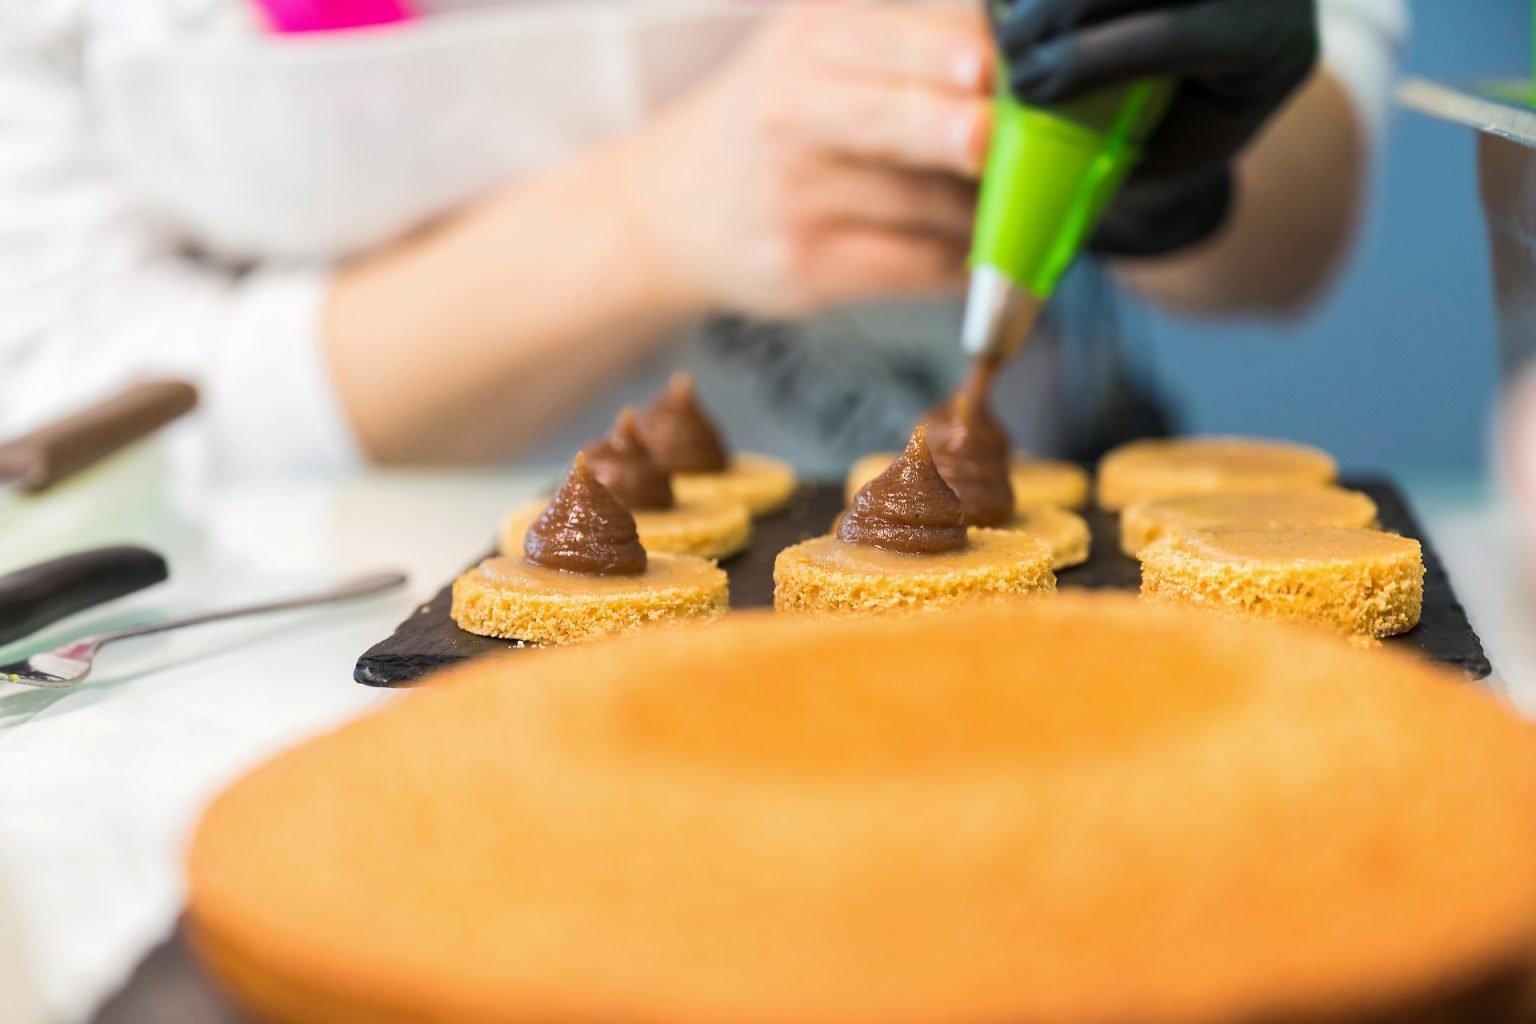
48	455
42	594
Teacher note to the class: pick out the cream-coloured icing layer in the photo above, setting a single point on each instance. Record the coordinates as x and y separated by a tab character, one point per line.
1145	470
1064	531
1145	522
1302	544
984	549
663	572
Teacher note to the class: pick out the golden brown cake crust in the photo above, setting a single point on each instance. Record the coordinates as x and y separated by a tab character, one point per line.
826	575
1360	582
1035	481
1156	817
761	483
1147	521
1147	470
540	606
706	529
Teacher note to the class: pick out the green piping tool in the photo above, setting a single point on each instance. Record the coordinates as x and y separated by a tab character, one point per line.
1049	176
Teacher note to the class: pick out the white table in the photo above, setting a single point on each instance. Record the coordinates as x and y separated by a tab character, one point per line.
99	786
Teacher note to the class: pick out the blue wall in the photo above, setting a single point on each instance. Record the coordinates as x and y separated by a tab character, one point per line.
1397	369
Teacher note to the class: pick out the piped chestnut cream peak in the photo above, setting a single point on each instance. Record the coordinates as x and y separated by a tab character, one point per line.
971	462
908	508
623	464
970	449
1035	482
903	548
583	574
586	530
679	434
683	438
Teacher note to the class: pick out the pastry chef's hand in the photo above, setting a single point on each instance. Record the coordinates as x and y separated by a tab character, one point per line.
832	158
1237	61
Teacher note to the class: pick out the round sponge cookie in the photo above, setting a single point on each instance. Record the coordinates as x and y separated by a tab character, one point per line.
1035	482
1147	521
1147	470
1361	582
1060	812
1047	482
707	529
827	575
509	598
1065	533
761	483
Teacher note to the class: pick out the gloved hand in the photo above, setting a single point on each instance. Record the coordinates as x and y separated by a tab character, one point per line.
1236	61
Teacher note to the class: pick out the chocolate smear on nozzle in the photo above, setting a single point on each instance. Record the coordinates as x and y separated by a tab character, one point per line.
585	529
943	420
908	508
622	463
974	468
679	434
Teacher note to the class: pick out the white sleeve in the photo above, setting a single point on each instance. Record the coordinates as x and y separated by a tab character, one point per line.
1362	41
95	291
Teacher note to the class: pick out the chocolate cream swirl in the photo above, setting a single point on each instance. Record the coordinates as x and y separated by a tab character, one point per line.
679	434
622	463
974	467
585	530
908	508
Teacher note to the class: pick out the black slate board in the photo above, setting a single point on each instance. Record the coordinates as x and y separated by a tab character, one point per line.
429	640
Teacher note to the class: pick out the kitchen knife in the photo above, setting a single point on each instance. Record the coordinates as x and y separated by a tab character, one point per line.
65	447
42	594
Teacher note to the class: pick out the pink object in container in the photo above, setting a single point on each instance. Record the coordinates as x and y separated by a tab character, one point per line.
327	15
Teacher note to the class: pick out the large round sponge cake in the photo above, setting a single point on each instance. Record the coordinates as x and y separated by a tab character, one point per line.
1075	811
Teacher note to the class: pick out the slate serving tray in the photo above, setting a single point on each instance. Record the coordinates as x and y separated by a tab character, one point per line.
429	640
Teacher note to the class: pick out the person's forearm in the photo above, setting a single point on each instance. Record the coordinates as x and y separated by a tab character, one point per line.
463	342
1298	199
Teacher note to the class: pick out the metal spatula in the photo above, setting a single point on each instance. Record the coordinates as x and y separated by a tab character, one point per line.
70	664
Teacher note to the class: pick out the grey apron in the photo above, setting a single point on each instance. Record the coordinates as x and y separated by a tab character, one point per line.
826	391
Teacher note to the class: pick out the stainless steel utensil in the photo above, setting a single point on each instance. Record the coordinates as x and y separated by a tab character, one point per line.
68	665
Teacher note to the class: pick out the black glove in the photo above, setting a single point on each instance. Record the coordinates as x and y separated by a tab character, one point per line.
1236	62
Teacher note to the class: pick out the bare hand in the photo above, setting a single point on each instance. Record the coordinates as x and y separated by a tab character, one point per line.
833	159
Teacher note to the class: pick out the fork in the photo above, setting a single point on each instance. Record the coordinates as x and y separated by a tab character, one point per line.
68	665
